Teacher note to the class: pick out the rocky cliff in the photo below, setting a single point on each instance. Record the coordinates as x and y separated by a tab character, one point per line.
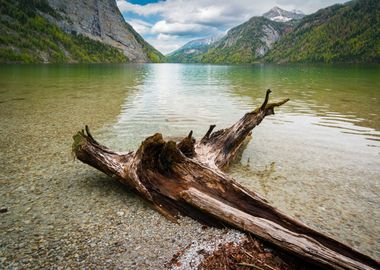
64	31
101	20
246	42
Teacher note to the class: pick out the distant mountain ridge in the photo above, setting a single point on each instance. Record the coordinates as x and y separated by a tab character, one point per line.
280	15
246	42
200	42
189	52
347	32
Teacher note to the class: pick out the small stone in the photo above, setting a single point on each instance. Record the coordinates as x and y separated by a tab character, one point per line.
3	209
120	213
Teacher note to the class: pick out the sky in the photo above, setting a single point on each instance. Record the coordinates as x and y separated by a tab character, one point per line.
169	24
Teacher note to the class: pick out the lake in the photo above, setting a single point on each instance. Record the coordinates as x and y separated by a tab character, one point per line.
317	159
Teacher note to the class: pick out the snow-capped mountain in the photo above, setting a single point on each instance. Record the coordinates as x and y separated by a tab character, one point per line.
280	15
192	49
196	43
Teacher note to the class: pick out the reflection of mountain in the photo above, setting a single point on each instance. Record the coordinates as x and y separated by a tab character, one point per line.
349	93
174	99
47	104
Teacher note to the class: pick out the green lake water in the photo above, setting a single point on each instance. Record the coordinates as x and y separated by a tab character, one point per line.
317	158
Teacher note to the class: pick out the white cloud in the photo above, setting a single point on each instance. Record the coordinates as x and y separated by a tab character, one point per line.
193	12
182	29
165	37
166	45
144	10
212	12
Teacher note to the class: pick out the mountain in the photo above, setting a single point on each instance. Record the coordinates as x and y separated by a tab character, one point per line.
242	44
279	15
347	32
342	33
188	53
246	42
34	31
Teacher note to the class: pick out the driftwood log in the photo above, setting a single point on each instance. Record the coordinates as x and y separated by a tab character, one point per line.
187	178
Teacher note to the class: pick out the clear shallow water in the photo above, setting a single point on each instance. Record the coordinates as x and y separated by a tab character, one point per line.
317	159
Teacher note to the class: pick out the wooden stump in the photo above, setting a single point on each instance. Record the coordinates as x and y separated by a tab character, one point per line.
187	178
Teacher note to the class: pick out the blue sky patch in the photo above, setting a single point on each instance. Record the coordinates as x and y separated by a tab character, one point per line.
143	2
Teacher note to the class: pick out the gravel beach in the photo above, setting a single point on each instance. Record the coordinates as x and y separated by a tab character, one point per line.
58	213
91	223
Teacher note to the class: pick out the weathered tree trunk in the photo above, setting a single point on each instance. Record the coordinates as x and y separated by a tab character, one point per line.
187	178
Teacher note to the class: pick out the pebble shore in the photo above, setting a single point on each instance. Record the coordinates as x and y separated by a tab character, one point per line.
89	221
58	213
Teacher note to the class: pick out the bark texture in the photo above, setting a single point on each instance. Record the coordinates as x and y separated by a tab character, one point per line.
188	178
